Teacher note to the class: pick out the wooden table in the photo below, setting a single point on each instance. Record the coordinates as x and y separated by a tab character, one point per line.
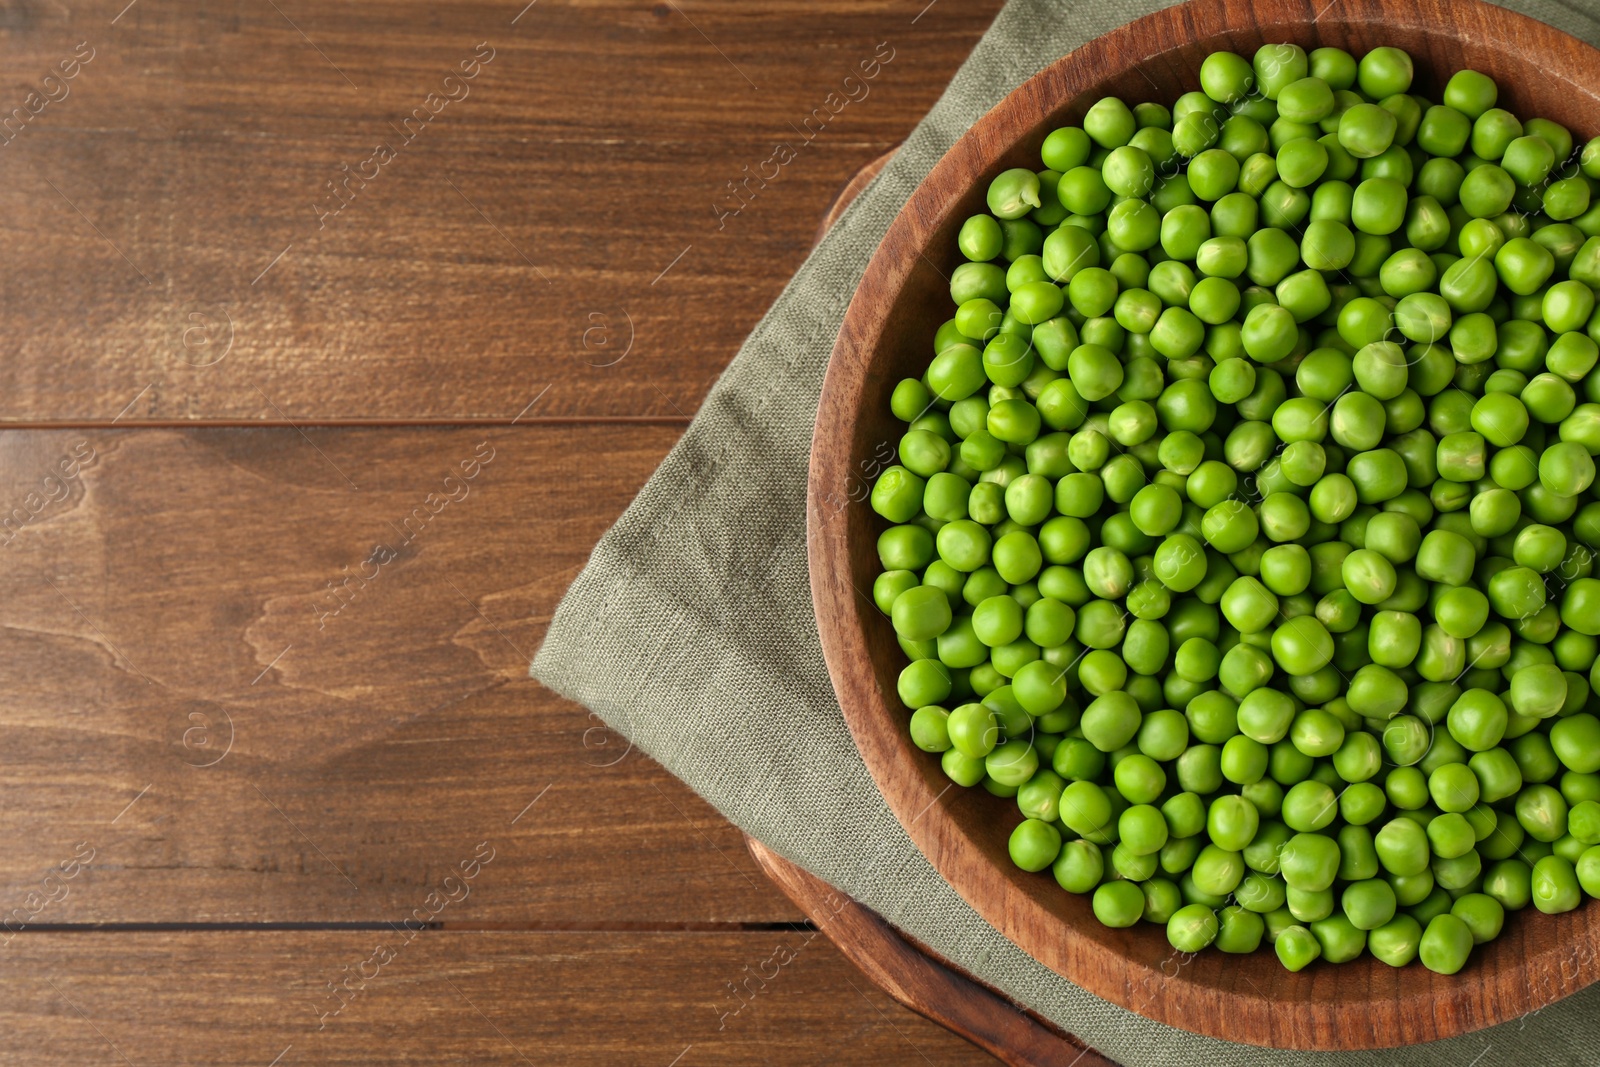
338	334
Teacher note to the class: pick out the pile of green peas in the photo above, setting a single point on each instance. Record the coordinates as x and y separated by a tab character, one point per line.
1244	525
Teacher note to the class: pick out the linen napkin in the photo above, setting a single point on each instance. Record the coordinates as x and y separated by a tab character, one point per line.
691	629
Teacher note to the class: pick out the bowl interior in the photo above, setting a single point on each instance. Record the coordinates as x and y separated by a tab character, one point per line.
887	336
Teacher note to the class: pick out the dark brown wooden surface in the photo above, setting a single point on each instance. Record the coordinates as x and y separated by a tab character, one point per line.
913	975
520	239
173	603
166	598
886	336
490	997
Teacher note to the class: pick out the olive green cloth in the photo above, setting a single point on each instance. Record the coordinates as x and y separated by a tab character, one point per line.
691	629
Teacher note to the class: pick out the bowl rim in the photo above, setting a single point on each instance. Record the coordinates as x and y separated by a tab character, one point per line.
1352	1006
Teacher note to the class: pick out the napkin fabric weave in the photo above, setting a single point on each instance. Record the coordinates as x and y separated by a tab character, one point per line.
691	629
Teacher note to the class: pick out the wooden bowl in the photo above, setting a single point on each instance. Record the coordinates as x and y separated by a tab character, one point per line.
887	335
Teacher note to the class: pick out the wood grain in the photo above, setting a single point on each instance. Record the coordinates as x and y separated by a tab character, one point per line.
562	223
685	999
170	600
886	336
913	975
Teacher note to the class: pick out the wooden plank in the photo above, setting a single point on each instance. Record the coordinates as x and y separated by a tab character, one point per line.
482	998
173	249
185	589
917	977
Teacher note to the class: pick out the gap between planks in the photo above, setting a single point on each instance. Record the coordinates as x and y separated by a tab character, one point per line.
312	423
530	927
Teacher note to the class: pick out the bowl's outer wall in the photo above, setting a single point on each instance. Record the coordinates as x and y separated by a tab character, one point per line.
887	335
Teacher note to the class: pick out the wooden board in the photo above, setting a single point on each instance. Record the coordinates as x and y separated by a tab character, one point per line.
166	640
566	221
576	998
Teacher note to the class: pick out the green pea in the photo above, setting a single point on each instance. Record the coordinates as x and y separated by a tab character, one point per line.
1555	885
1269	333
979	239
1470	92
1034	845
1301	162
1239	930
1366	130
921	613
1119	904
1576	739
1297	948
1486	191
1277	66
1309	805
1194	926
1217	871
1402	847
1484	915
1079	867
1368	904
1477	720
1566	469
1362	803
1066	148
962	769
973	729
1013	193
1012	763
1540	809
1567	198
929	728
1588	871
1311	907
1523	265
1445	944
1309	861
